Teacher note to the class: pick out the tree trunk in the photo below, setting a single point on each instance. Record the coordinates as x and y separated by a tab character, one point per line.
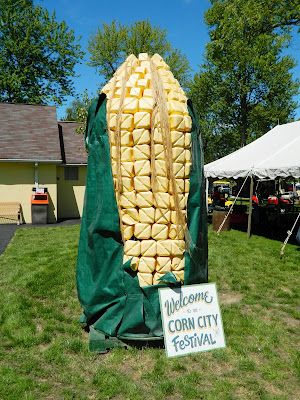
244	120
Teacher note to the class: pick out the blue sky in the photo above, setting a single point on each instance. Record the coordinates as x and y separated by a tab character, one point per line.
183	20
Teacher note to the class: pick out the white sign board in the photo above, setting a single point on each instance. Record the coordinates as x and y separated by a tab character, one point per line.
191	319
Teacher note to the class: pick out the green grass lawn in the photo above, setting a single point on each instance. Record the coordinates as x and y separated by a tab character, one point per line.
44	353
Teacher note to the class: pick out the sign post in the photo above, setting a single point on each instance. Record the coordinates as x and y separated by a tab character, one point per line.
191	319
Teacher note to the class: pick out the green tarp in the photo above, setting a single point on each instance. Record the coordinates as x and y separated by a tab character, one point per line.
114	305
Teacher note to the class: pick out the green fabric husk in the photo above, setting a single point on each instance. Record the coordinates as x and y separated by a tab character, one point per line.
114	305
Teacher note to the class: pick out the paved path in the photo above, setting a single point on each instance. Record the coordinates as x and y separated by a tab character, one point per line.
6	233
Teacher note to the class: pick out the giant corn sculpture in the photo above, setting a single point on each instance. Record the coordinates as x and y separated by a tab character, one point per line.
144	220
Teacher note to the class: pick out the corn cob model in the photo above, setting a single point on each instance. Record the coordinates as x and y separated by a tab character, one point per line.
139	177
149	131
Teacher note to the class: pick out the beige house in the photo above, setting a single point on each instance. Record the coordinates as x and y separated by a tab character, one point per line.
36	151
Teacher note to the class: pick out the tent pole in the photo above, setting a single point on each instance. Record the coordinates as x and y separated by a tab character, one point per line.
206	191
250	209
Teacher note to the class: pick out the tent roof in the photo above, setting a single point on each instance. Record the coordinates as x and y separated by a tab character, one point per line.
275	154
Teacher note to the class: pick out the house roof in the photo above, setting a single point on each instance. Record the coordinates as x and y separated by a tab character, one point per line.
29	132
72	143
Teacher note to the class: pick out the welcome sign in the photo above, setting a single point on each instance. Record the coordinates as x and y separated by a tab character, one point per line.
191	319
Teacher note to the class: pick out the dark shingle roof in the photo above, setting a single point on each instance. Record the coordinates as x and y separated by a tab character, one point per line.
29	132
73	149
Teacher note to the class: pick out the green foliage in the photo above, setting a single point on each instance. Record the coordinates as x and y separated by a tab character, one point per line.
179	65
285	13
107	47
143	38
72	110
37	54
78	110
246	85
114	42
44	352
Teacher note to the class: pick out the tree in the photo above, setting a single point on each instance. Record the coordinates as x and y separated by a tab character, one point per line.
285	13
78	110
72	110
245	86
114	42
37	54
81	101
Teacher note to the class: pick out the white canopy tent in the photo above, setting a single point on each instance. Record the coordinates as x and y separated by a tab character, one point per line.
274	155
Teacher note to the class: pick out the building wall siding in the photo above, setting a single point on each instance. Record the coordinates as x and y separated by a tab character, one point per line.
17	181
70	196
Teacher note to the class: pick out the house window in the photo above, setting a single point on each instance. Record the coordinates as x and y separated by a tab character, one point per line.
71	173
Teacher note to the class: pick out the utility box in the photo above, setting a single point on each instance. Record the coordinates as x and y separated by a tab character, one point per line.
39	208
